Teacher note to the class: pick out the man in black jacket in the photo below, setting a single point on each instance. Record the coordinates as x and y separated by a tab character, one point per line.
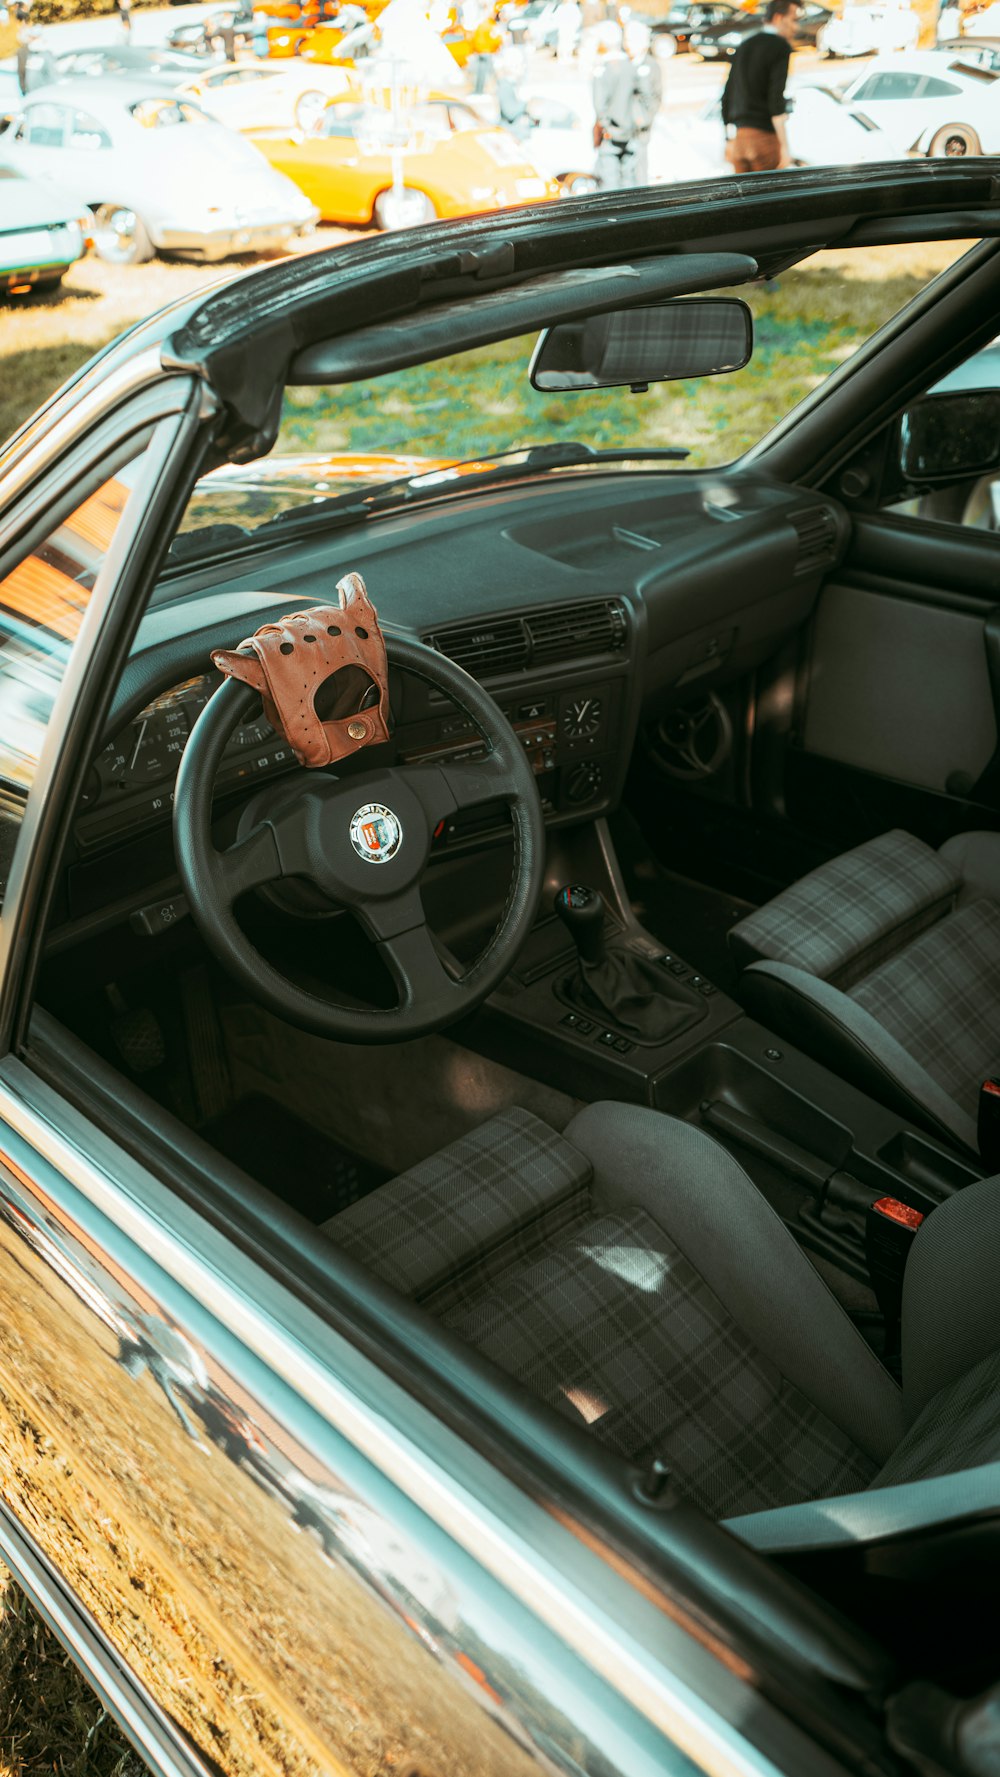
753	103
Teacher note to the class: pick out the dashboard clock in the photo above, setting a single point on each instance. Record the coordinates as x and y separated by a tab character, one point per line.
581	718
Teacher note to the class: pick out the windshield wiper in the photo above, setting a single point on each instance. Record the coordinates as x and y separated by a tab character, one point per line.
353	508
405	488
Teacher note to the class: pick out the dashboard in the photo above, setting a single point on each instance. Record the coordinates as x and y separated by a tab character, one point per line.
131	783
582	603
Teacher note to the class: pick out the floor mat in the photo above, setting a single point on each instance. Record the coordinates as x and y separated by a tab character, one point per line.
305	1168
686	916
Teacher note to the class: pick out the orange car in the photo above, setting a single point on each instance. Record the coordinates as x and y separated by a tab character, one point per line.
451	164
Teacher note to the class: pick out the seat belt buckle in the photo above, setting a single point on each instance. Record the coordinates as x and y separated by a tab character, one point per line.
890	1229
988	1122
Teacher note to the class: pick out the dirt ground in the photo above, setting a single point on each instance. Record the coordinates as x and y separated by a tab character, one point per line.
44	339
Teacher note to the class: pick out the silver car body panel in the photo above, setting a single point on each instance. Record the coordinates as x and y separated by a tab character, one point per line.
297	1560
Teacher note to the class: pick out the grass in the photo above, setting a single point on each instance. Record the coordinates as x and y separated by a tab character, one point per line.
805	324
50	1721
44	339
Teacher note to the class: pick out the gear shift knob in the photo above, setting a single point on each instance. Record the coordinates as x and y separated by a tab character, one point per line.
582	913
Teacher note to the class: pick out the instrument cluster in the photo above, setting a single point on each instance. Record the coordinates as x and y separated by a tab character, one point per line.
132	779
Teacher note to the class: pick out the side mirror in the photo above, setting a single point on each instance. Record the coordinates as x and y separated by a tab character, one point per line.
682	337
950	437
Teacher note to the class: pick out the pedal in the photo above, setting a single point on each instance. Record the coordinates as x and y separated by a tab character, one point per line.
205	1045
138	1037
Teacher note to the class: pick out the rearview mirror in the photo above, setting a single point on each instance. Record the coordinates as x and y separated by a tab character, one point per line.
684	336
949	437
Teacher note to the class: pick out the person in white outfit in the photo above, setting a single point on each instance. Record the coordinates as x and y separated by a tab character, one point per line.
628	88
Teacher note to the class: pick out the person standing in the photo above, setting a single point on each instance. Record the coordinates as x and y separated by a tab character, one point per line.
21	12
628	88
124	8
753	102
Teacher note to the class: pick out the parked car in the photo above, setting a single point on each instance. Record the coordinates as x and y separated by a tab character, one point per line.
930	104
719	43
133	61
409	1362
868	30
671	32
251	95
337	43
534	26
42	233
974	52
228	32
554	136
345	164
138	158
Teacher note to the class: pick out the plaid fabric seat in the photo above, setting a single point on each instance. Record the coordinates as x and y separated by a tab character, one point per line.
841	920
940	998
610	1325
577	1264
911	941
600	1316
472	1208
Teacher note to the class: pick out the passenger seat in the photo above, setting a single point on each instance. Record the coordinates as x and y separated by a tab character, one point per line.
884	964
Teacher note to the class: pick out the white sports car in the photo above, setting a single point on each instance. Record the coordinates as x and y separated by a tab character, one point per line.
157	172
248	95
929	103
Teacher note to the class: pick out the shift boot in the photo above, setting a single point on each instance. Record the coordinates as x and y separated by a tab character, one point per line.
619	987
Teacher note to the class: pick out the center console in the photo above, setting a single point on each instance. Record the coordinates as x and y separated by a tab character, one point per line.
820	1150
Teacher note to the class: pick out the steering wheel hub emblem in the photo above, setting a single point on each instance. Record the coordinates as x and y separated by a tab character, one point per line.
376	834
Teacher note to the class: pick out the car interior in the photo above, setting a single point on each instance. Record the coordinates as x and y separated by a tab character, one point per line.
631	1151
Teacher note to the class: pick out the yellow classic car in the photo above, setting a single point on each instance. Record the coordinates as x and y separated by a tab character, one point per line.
448	163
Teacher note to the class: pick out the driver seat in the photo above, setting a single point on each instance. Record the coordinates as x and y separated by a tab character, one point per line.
629	1274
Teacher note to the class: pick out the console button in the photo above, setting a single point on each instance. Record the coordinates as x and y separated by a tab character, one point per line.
677	968
623	1045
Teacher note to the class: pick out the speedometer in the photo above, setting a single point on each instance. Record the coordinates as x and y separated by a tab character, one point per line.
133	776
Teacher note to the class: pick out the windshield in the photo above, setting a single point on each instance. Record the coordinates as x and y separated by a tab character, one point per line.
344	440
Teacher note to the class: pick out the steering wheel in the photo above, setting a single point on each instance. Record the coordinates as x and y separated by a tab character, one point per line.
363	840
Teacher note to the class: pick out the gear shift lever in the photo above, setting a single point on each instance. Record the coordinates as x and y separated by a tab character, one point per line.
582	913
619	986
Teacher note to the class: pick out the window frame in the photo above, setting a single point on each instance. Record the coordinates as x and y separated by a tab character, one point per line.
159	421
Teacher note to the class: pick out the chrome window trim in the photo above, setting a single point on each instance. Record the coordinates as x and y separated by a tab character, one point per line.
589	1606
136	1713
100	607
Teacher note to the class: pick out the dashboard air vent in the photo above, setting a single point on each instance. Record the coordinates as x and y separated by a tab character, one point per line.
487	649
817	529
497	646
565	632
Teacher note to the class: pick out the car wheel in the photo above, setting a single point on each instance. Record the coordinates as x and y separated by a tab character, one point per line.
402	209
664	46
308	106
578	184
120	236
955	139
